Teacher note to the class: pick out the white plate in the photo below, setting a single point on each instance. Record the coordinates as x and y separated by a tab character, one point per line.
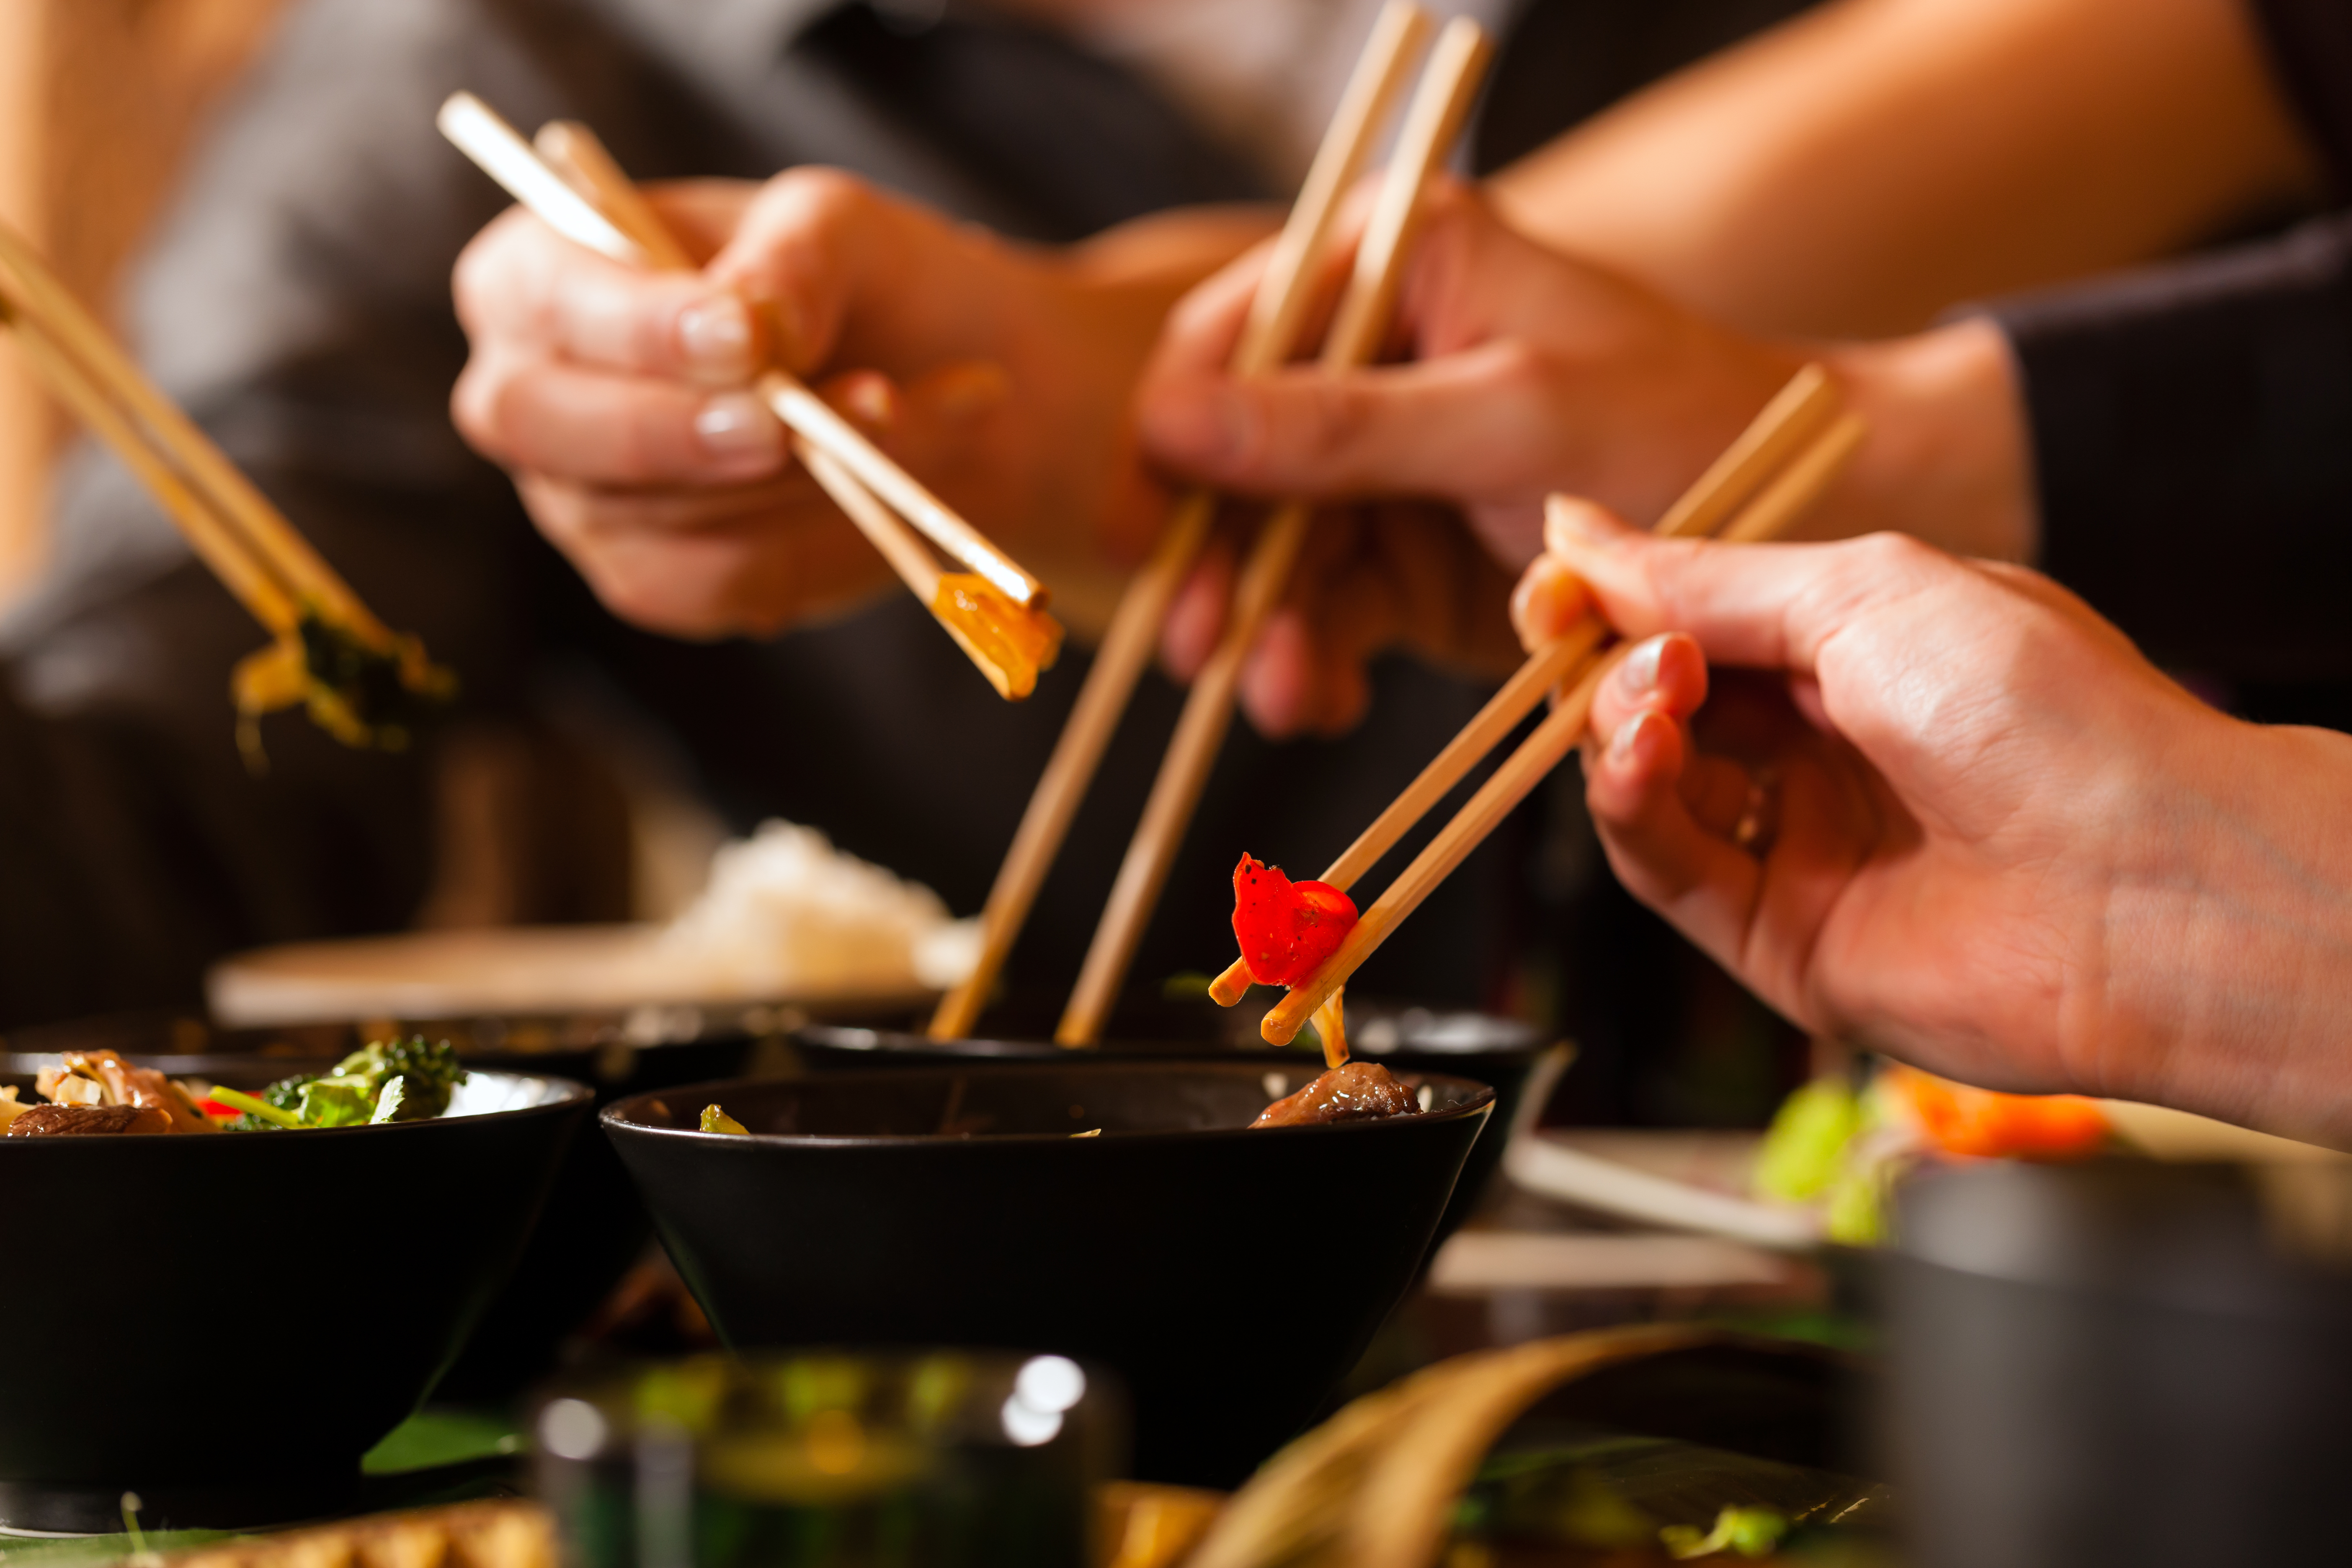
510	970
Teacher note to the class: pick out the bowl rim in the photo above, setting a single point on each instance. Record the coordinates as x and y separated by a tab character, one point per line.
1479	1103
571	1092
1532	1041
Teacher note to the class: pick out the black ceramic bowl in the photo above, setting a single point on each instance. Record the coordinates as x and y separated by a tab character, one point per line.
224	1324
592	1226
1501	1053
1230	1277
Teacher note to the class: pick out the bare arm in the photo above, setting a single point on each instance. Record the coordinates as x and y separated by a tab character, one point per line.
1859	169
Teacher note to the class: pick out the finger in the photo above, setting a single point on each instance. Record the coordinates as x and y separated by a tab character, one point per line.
816	245
1548	603
1664	674
1699	881
1196	618
1200	334
1290	685
1762	606
724	574
1489	413
1304	673
599	427
520	283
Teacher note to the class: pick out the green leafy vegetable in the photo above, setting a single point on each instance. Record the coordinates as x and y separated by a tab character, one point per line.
388	1081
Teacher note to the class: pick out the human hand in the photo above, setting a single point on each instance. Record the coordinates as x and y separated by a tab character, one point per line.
620	399
1941	808
1526	372
1523	372
1368	579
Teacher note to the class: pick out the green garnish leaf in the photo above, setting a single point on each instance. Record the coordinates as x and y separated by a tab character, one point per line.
717	1120
387	1104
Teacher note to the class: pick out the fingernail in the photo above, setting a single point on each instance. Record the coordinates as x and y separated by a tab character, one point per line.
716	336
1638	676
1628	738
735	425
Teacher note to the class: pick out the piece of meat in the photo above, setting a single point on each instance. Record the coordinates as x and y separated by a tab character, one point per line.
1358	1091
104	1079
147	1087
86	1120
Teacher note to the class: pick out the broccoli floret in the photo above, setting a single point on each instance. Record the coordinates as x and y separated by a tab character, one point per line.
430	1067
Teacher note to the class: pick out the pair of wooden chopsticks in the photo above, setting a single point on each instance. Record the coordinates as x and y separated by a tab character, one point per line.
1277	313
568	179
313	615
1763	482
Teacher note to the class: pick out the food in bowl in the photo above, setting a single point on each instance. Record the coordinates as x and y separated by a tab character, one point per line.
1354	1091
99	1093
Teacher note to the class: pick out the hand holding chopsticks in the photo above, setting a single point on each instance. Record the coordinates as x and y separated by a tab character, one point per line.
357	678
1777	468
996	613
1276	312
1448	86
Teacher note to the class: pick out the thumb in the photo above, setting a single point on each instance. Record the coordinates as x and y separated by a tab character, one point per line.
1464	426
1765	606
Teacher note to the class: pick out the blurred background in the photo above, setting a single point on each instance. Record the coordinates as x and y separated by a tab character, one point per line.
98	99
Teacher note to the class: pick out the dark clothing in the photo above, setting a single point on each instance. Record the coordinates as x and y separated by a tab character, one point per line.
2191	426
2192	443
297	302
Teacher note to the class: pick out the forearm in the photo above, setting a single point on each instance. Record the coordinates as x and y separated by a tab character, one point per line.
1947	458
2229	946
1876	161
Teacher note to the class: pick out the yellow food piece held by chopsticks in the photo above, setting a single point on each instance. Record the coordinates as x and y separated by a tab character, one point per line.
1011	643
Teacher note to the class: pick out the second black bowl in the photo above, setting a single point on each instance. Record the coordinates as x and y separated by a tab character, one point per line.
1231	1277
1514	1058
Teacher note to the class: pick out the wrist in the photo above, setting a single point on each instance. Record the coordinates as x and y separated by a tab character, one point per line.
1947	459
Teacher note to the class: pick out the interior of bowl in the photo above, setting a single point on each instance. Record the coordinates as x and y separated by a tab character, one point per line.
1041	1101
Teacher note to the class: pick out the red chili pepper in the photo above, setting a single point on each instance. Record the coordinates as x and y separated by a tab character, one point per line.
217	1110
1286	928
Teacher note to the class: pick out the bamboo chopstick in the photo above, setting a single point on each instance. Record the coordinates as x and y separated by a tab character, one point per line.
494	145
1767	516
1276	309
1440	103
215	541
246	539
1744	471
573	152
